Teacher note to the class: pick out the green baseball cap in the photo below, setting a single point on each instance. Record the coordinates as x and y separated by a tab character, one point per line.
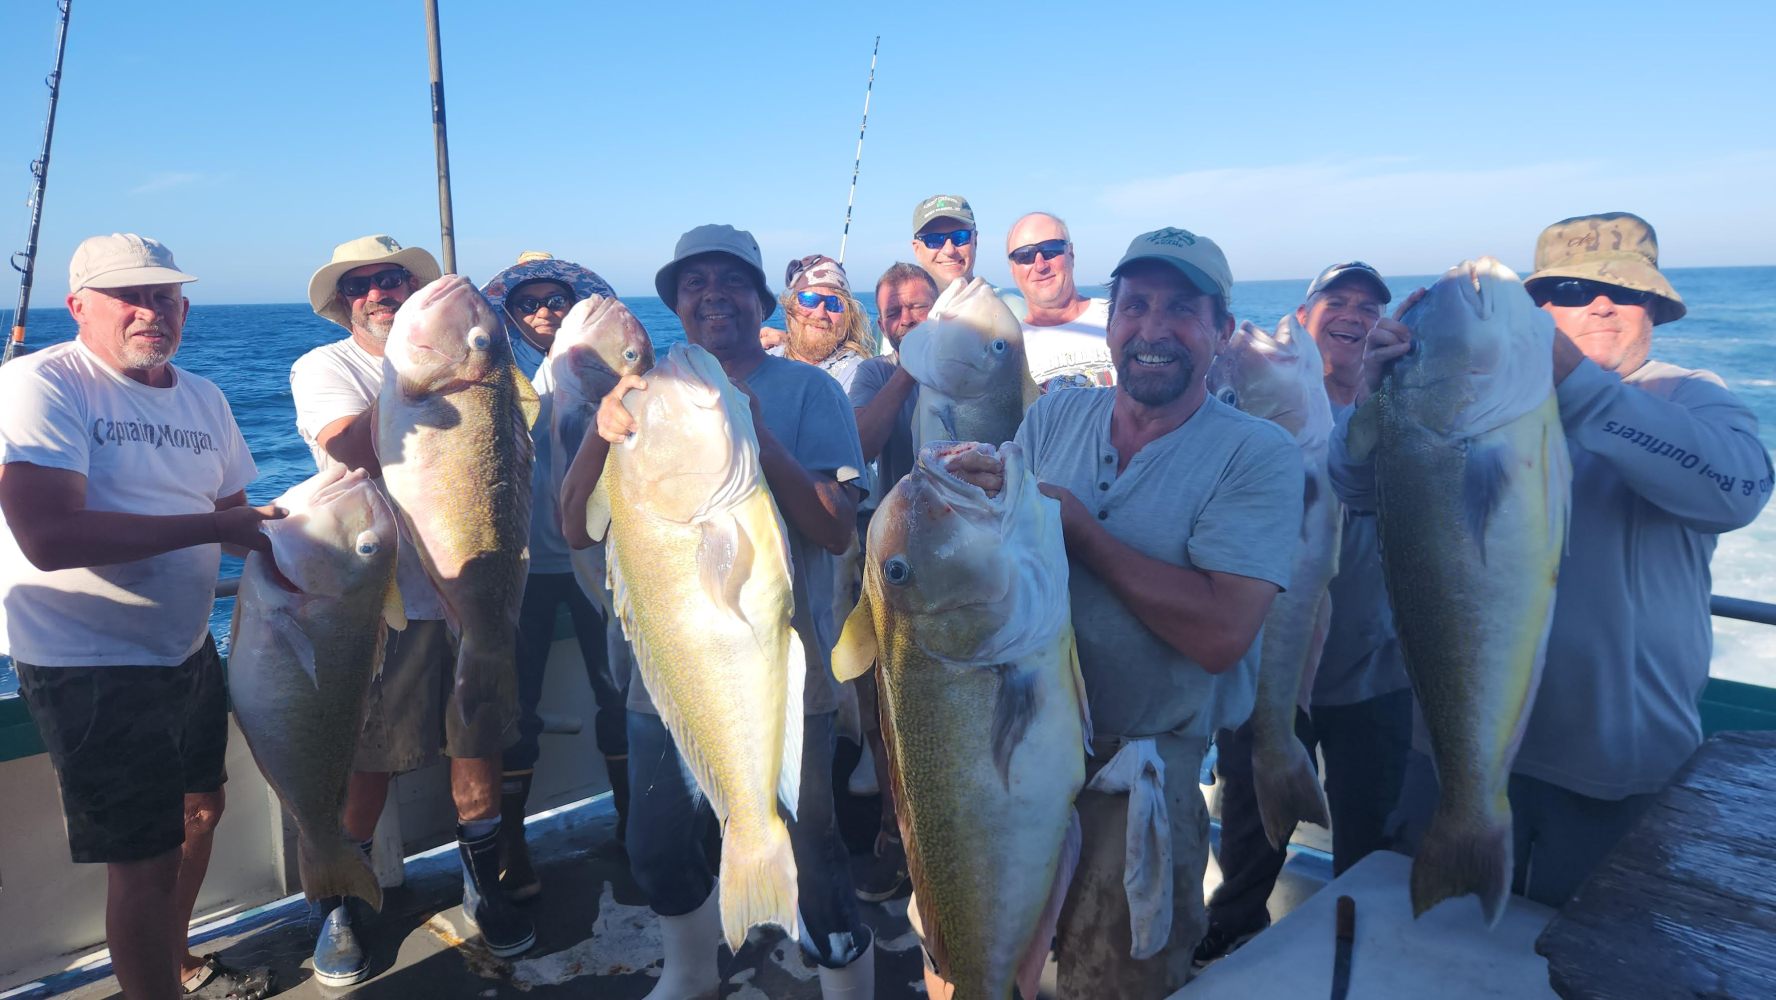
942	206
1196	257
1615	248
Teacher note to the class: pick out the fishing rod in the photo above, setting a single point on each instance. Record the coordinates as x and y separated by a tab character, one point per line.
25	261
446	223
858	165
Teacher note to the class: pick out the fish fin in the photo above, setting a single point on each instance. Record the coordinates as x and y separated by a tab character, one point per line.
856	651
296	641
1483	487
529	403
338	869
394	609
724	562
758	881
1012	712
598	512
946	415
789	775
1029	970
1458	857
1363	431
1289	795
1085	715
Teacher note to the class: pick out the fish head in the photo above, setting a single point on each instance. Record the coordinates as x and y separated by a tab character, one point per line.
969	344
970	573
340	536
1274	376
695	447
1482	354
446	331
599	342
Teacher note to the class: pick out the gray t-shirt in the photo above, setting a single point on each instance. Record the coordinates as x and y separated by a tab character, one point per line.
1362	656
898	453
1664	460
808	414
1221	493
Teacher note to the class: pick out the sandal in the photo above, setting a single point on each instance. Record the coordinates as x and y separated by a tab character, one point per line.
216	981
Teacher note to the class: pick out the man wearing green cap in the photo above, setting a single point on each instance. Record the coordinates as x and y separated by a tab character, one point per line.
1665	459
1180	514
944	238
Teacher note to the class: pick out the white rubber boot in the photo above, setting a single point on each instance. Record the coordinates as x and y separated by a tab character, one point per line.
690	971
856	981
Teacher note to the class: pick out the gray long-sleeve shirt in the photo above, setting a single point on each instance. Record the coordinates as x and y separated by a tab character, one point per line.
1664	460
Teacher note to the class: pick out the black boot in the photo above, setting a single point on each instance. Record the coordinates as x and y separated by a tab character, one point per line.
617	768
504	929
517	877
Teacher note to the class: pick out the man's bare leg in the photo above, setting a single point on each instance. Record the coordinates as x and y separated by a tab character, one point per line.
364	798
202	811
141	925
475	785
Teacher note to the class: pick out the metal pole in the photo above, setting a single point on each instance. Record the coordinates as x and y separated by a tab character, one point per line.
858	164
446	224
40	179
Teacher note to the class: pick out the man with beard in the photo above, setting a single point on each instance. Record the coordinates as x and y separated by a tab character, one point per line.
1180	515
1063	330
944	238
1361	718
122	473
807	448
412	711
825	325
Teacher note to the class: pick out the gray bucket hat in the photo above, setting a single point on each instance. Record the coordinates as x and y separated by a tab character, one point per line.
714	239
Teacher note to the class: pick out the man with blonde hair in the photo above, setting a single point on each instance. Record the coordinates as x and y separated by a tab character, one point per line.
824	323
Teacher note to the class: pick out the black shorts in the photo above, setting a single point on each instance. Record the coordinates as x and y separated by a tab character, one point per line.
128	744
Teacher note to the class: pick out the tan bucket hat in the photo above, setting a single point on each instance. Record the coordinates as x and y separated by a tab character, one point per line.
323	291
1616	248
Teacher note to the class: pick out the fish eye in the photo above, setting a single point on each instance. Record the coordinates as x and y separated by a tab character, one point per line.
999	345
1228	396
896	571
479	338
368	544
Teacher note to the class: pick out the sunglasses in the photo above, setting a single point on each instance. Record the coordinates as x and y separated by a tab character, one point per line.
530	304
388	281
935	241
1570	293
812	300
1049	249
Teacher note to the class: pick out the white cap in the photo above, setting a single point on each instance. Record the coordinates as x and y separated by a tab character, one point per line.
123	260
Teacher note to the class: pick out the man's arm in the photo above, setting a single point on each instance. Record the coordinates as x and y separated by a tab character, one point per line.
1695	455
1211	617
46	510
352	441
820	507
877	415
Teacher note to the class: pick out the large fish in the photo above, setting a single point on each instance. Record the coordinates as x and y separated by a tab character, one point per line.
968	358
965	607
307	639
453	436
600	341
1474	486
1281	378
699	568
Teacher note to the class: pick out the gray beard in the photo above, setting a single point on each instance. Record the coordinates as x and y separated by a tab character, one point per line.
1151	389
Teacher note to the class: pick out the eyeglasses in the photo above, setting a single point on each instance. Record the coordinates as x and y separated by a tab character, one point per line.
935	241
812	300
1049	249
1570	293
529	304
388	281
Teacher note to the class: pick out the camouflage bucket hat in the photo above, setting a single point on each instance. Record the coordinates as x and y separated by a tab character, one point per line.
1616	248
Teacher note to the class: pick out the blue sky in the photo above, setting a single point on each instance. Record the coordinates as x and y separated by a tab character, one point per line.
252	137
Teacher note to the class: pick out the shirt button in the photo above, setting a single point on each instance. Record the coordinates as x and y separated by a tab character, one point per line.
1103	486
1103	515
1106	459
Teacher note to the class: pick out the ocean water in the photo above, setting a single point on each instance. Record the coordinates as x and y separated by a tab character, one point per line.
1730	330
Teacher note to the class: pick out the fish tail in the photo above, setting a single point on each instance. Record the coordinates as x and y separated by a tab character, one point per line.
1289	795
758	882
337	868
1459	856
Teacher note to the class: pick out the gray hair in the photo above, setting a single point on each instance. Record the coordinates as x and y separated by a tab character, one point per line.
901	271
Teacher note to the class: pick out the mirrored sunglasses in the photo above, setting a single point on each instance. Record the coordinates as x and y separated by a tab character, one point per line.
529	304
935	241
812	300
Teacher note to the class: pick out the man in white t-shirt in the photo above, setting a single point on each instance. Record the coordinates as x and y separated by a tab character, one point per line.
123	477
1063	330
412	712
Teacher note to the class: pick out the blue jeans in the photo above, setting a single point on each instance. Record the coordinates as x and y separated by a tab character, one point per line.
544	593
668	816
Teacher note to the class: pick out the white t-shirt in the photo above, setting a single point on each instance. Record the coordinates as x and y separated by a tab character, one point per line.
142	450
338	380
1074	351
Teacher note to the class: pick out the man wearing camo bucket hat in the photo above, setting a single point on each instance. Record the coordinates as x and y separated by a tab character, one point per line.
1664	460
534	295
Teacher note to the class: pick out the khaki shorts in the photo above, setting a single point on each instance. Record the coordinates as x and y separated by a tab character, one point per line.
413	716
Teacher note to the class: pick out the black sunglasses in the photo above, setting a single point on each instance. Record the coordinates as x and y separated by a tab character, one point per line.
1049	249
1570	293
935	241
388	281
530	303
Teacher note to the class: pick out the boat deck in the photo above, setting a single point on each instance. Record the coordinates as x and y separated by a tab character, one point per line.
595	934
